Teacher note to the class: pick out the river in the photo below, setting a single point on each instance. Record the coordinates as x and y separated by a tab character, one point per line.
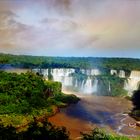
97	111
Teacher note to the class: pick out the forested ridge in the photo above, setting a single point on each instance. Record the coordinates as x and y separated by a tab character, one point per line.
26	61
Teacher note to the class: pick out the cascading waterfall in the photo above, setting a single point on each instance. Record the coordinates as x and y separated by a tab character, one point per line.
122	74
88	88
62	75
109	87
76	83
90	84
83	85
95	72
95	86
90	72
113	72
132	83
68	81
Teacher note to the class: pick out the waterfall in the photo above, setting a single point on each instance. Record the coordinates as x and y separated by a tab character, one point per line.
57	75
95	72
109	87
122	74
90	72
135	74
95	86
88	88
132	83
63	75
113	72
89	84
83	84
68	81
76	83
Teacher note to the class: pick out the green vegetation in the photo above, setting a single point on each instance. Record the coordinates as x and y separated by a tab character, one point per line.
111	85
136	102
108	85
105	64
98	134
36	131
26	96
26	100
47	131
23	93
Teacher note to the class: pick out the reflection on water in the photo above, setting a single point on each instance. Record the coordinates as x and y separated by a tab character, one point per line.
80	111
97	111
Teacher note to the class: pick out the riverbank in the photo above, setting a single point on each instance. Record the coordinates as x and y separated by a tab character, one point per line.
109	113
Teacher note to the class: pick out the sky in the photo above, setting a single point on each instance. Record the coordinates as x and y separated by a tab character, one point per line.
97	28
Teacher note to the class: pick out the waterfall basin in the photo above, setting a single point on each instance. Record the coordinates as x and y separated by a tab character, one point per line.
97	111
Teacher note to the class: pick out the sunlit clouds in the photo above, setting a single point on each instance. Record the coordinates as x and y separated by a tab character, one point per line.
70	27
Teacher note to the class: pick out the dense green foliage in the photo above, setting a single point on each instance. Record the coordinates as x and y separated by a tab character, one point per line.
36	131
70	62
47	131
111	85
22	93
66	98
108	85
26	100
27	95
136	102
98	134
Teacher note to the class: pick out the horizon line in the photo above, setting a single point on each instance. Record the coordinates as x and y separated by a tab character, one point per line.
70	56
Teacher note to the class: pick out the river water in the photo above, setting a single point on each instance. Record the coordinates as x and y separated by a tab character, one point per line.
97	111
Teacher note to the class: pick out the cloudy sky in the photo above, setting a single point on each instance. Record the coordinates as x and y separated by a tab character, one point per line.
103	28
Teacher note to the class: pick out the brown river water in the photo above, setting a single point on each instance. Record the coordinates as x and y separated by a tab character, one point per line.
97	111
